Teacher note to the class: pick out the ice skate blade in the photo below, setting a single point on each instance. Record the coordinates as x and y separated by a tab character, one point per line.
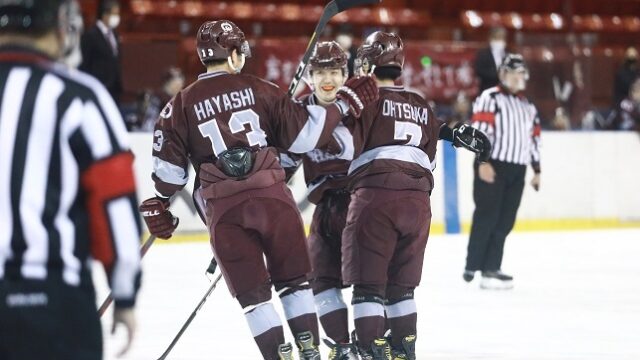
495	284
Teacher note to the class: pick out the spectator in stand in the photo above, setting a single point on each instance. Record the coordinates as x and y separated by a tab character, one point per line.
344	37
101	49
625	76
460	109
626	115
489	59
149	104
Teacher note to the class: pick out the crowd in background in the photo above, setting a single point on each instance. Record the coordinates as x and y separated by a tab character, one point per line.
101	57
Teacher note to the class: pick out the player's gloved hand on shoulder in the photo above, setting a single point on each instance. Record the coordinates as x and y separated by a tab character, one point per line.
159	219
473	140
357	93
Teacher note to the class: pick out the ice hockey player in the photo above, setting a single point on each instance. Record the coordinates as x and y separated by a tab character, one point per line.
228	125
325	173
389	215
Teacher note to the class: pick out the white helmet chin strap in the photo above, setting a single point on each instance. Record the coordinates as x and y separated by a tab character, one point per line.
238	69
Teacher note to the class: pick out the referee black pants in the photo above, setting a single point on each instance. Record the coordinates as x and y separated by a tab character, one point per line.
44	320
496	208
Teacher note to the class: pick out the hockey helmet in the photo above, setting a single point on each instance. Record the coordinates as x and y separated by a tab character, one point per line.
380	49
216	40
29	15
328	55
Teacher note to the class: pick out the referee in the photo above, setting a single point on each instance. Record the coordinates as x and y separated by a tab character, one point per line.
512	124
67	192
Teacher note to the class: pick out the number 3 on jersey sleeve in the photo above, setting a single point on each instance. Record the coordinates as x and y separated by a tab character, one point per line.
237	122
408	131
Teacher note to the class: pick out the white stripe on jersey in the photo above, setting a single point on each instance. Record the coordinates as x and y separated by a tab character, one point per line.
94	130
125	234
308	137
169	173
393	152
13	94
70	122
36	172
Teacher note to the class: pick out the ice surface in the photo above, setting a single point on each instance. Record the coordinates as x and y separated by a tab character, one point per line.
576	296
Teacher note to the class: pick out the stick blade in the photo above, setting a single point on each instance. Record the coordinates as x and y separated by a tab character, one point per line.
348	4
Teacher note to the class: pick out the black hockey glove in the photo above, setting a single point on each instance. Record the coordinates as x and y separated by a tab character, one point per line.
473	140
212	266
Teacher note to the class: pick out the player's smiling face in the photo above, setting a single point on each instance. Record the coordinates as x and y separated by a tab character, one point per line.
326	83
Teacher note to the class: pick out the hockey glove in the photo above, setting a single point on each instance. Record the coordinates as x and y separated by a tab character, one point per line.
159	220
213	265
473	140
357	93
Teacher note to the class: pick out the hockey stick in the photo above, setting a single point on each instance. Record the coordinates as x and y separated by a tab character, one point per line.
143	250
191	317
332	9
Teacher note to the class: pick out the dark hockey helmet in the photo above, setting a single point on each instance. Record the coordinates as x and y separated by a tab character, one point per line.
216	40
29	15
380	49
329	55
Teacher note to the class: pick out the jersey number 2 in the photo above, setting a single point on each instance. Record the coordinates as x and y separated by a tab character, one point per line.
237	122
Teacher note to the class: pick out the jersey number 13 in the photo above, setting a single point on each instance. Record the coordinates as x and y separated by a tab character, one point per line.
256	136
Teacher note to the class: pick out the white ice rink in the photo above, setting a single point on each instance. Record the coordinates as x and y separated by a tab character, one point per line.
576	296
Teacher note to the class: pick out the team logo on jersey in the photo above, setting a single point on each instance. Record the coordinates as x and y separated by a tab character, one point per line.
167	111
226	27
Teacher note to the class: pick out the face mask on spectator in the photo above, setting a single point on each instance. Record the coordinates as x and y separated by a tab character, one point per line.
498	45
114	21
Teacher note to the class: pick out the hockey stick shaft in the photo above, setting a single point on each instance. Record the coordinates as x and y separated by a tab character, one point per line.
332	9
143	250
191	317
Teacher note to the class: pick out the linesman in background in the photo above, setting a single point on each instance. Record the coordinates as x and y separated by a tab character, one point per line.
512	124
67	192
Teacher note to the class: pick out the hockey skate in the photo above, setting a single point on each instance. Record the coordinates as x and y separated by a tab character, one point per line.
285	351
341	351
408	351
380	350
468	275
496	280
308	350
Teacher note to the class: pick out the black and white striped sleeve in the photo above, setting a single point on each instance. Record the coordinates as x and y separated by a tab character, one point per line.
484	115
98	137
535	143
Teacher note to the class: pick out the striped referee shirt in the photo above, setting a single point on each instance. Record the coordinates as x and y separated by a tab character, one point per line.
512	124
67	190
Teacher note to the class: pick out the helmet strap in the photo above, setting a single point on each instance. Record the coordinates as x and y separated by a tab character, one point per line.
238	69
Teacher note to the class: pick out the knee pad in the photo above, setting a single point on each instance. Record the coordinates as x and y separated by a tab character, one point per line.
400	301
329	301
368	293
296	297
320	285
367	301
397	293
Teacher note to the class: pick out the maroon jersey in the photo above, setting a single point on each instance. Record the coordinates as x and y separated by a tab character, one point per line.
221	111
395	142
324	168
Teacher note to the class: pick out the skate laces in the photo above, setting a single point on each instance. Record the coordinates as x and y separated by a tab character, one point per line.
285	351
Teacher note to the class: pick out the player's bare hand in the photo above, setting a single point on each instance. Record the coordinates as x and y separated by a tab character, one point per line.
535	182
487	173
127	318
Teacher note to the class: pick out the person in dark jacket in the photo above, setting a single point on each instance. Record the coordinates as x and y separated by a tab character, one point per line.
100	46
489	59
